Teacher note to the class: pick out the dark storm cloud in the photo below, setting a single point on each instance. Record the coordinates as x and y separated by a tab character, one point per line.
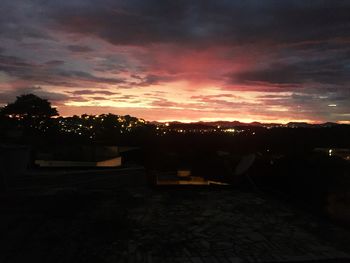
327	70
79	49
203	22
326	106
22	19
45	73
85	76
55	63
196	23
10	63
10	95
285	27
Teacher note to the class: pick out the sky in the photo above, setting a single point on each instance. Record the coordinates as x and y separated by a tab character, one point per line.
185	60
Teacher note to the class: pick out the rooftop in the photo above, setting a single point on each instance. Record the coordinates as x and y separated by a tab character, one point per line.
98	220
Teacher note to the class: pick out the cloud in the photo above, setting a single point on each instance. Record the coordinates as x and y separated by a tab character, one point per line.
10	63
164	103
49	73
93	92
209	97
55	63
151	79
280	55
291	67
204	22
10	95
79	49
86	76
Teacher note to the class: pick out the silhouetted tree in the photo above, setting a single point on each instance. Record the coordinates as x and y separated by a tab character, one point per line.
29	106
30	112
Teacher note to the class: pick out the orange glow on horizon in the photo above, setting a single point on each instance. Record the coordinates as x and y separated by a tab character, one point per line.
243	120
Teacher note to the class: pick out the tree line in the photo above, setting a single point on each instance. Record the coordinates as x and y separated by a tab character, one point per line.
30	115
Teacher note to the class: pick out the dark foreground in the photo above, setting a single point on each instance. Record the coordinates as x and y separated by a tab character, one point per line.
99	218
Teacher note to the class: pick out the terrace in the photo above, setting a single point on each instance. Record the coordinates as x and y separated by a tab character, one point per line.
114	216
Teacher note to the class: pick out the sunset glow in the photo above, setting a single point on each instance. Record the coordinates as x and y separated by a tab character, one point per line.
186	61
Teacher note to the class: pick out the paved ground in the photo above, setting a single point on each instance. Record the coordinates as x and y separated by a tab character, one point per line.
107	223
225	226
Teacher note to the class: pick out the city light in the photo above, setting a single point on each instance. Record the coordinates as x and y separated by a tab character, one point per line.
330	152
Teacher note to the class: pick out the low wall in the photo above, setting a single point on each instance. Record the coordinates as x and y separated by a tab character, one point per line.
113	162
